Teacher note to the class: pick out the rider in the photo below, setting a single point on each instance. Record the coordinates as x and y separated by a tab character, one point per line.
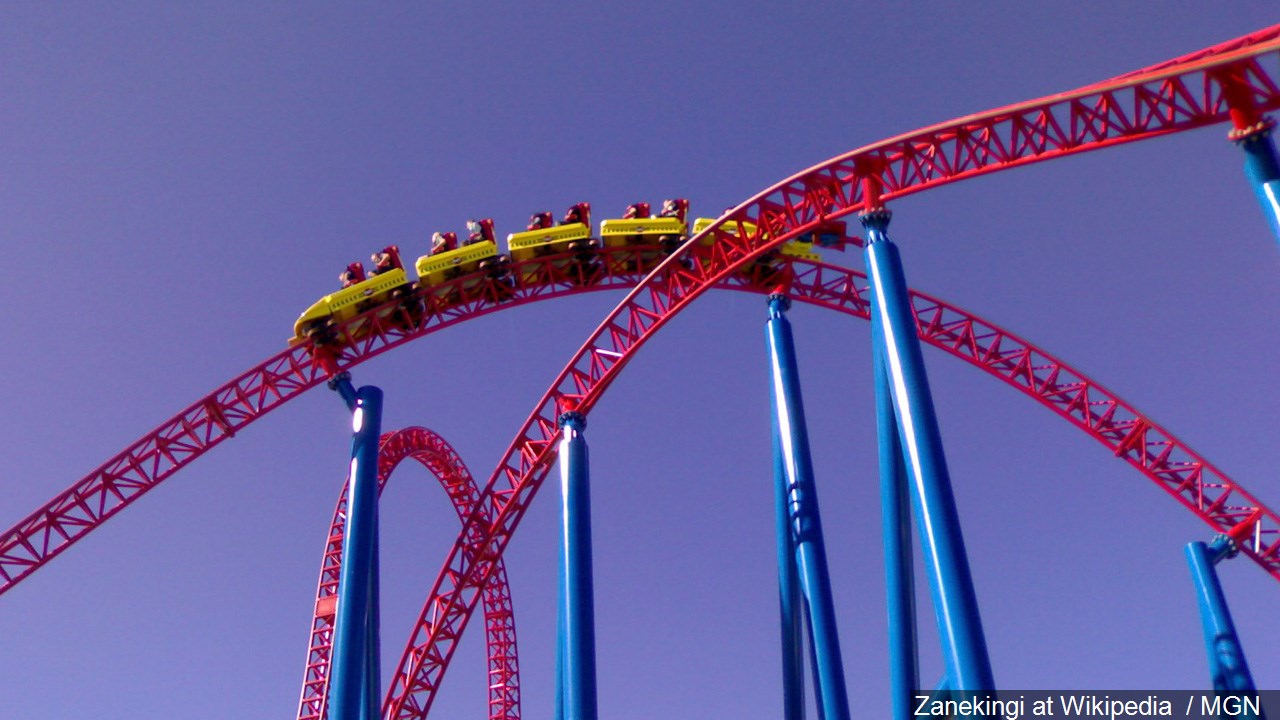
540	221
673	208
352	275
385	260
636	211
479	230
443	242
576	214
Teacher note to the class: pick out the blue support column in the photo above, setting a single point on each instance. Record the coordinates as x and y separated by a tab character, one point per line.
560	629
341	384
955	602
1263	169
803	517
895	504
371	696
1227	664
577	691
789	601
354	693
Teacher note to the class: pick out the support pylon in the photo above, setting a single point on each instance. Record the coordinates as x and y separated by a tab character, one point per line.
576	681
954	600
895	520
1263	170
803	519
1251	130
1227	665
355	689
789	601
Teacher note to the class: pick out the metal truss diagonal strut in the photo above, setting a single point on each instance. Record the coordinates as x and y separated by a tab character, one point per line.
444	463
1138	107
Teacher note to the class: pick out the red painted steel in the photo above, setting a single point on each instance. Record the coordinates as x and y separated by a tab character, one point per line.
1172	97
1179	470
1141	106
438	457
156	456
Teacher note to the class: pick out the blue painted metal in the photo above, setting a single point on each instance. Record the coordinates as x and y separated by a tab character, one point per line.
560	662
789	600
941	691
804	521
354	693
954	600
371	694
895	514
341	384
1227	665
561	628
577	633
1263	169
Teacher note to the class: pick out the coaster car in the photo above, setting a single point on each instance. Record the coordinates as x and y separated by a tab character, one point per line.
318	321
436	269
802	247
573	233
448	261
645	230
636	227
477	270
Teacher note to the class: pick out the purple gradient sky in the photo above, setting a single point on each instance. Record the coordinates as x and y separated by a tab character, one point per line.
180	181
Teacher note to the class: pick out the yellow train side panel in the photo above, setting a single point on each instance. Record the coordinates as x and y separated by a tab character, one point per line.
531	243
342	304
703	223
614	233
432	269
800	249
318	310
794	248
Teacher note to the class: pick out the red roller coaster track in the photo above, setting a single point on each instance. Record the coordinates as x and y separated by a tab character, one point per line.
1234	81
438	457
1218	85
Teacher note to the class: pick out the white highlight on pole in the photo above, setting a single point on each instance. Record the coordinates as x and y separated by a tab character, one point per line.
901	400
1272	192
567	433
784	426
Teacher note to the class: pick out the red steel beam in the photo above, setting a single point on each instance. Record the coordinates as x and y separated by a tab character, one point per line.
1172	98
1141	106
442	461
1152	450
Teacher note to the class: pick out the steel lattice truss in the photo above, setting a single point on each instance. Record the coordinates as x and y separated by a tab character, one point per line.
438	457
1235	81
1144	105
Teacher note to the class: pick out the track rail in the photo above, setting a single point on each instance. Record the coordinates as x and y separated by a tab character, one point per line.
1235	80
1155	452
1236	83
235	405
218	416
442	461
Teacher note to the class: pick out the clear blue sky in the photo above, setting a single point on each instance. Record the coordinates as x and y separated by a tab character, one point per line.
180	181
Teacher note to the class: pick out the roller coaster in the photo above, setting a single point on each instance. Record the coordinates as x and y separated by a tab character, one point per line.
763	245
481	271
